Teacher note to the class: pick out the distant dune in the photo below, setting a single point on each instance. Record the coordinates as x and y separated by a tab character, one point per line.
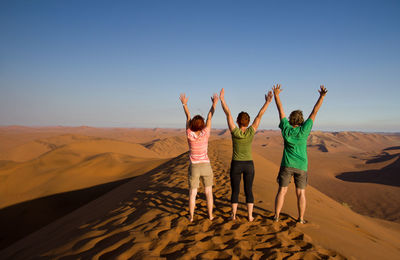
168	147
57	170
76	165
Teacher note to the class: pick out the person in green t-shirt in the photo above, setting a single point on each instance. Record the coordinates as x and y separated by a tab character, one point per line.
294	160
242	160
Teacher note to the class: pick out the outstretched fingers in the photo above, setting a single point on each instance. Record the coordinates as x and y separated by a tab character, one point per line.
277	89
222	93
268	97
214	98
322	91
183	98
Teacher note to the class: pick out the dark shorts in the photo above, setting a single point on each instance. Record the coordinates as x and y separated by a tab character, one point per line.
286	173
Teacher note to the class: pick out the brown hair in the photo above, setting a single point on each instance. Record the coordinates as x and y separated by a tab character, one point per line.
296	118
243	119
197	123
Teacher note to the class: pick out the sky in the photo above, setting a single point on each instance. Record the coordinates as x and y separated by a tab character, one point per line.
124	63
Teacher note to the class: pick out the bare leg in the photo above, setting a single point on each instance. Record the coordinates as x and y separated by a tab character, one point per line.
280	198
210	202
192	202
234	209
301	202
250	211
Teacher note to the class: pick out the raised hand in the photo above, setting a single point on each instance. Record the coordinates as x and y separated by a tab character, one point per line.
222	94
277	89
183	98
214	98
322	91
268	98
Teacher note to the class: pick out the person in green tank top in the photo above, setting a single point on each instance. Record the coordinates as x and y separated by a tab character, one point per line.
294	163
242	160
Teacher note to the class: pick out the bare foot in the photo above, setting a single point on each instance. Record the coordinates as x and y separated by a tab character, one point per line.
211	218
302	221
251	218
233	217
190	219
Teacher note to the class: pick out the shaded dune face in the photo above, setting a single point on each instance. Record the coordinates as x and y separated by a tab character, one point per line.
76	170
387	175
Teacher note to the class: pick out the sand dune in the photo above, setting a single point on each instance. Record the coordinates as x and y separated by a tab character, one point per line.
168	147
73	166
387	175
25	152
50	185
32	149
146	216
17	135
224	132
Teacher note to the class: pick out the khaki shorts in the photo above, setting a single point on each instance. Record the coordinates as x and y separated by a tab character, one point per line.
286	173
203	170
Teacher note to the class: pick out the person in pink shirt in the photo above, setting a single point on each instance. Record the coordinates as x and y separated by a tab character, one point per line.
197	133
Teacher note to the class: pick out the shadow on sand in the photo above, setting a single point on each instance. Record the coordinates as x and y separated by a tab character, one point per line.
388	175
19	220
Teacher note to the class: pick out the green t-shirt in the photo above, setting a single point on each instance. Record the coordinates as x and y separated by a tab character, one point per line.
295	144
242	144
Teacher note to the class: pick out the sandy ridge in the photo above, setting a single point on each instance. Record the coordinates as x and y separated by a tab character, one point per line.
147	217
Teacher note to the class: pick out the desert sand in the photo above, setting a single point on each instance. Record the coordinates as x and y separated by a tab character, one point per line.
84	192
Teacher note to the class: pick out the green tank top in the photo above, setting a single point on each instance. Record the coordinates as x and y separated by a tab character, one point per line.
242	144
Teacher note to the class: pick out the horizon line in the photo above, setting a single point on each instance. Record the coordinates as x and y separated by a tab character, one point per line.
179	128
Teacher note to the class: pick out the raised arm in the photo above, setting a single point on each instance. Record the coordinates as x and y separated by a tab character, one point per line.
322	92
225	107
184	101
277	89
256	122
214	100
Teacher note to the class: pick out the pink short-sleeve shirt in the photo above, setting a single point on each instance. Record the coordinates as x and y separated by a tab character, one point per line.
198	145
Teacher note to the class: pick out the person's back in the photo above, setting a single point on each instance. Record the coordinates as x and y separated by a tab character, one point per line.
198	144
242	142
197	133
295	132
295	144
242	159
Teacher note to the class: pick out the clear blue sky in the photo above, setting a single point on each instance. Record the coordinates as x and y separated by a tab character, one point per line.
124	63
